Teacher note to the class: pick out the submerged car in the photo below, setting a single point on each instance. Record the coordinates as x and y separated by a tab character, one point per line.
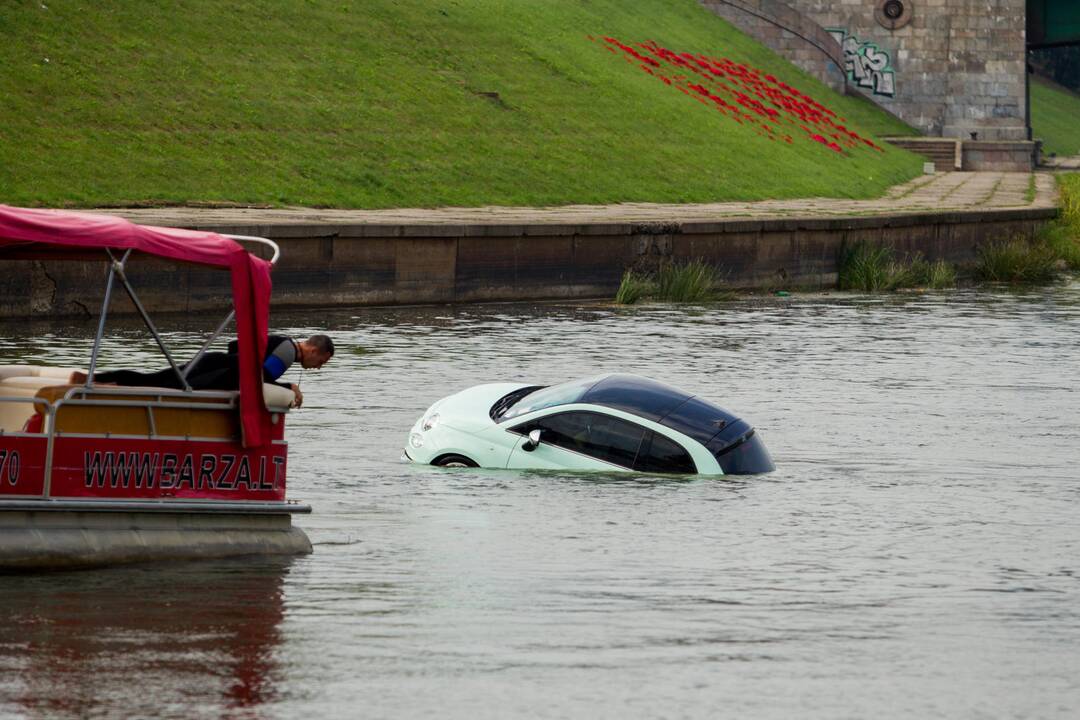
609	422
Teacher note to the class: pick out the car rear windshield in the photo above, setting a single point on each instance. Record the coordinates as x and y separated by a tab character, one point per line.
698	419
746	456
564	394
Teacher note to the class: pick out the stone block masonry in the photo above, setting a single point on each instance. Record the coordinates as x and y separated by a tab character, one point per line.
949	68
792	34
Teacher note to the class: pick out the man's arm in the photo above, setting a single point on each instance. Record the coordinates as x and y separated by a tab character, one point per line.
280	349
280	354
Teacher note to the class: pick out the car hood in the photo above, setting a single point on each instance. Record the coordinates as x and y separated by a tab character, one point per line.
468	409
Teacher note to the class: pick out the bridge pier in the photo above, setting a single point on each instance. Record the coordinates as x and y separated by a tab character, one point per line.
949	68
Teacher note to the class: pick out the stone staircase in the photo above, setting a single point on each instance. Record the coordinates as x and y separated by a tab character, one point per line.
944	152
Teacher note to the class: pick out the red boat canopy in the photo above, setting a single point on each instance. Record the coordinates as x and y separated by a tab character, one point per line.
61	235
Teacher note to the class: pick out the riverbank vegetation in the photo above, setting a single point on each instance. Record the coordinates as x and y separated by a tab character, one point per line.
686	282
1064	235
874	267
869	267
407	103
1055	250
1017	262
634	288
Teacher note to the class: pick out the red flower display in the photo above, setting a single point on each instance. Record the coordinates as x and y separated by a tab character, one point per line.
743	94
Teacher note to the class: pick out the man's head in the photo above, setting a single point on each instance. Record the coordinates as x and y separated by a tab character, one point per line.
316	351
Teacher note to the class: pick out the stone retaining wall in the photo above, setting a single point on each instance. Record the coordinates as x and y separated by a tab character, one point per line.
1000	156
946	67
337	265
790	33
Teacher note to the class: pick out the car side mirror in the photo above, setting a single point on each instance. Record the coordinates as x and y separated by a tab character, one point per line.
532	441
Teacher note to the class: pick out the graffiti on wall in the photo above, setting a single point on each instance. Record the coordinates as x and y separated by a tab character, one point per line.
867	65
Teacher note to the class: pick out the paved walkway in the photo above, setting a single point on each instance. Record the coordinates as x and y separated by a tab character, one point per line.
942	192
1066	164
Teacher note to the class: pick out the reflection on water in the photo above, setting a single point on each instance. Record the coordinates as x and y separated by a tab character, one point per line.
134	641
914	555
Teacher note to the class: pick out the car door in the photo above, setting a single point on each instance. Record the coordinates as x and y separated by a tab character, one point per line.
578	440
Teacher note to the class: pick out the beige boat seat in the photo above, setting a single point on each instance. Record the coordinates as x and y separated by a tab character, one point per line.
50	384
13	371
172	415
24	381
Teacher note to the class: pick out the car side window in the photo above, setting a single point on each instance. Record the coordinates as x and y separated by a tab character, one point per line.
603	437
663	455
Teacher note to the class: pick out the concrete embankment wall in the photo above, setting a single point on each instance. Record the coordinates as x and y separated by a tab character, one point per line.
328	265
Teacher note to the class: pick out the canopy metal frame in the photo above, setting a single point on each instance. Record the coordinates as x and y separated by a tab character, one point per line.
117	271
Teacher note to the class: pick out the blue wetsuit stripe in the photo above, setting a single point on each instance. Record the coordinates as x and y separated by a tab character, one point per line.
274	367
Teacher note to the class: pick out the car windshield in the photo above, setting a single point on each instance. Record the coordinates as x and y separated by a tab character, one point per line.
568	392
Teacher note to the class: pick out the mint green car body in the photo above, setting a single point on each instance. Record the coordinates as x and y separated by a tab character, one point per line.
465	429
460	430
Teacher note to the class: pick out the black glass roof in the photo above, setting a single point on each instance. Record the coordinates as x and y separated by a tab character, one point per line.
635	394
664	404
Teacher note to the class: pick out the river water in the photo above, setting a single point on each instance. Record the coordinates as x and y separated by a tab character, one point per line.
916	554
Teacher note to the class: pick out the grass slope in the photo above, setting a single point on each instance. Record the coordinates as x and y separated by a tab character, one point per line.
391	103
1055	117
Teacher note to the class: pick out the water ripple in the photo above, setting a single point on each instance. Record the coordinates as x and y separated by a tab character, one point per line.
915	555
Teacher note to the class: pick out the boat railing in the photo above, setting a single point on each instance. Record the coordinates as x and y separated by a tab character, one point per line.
53	427
265	242
149	399
36	401
230	396
118	272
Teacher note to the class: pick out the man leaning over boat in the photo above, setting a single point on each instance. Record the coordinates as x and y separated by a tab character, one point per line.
221	370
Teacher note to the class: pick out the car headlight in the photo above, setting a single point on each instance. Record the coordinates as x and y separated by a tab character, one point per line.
429	422
416	440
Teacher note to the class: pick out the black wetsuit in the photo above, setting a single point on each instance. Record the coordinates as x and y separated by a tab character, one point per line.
215	371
